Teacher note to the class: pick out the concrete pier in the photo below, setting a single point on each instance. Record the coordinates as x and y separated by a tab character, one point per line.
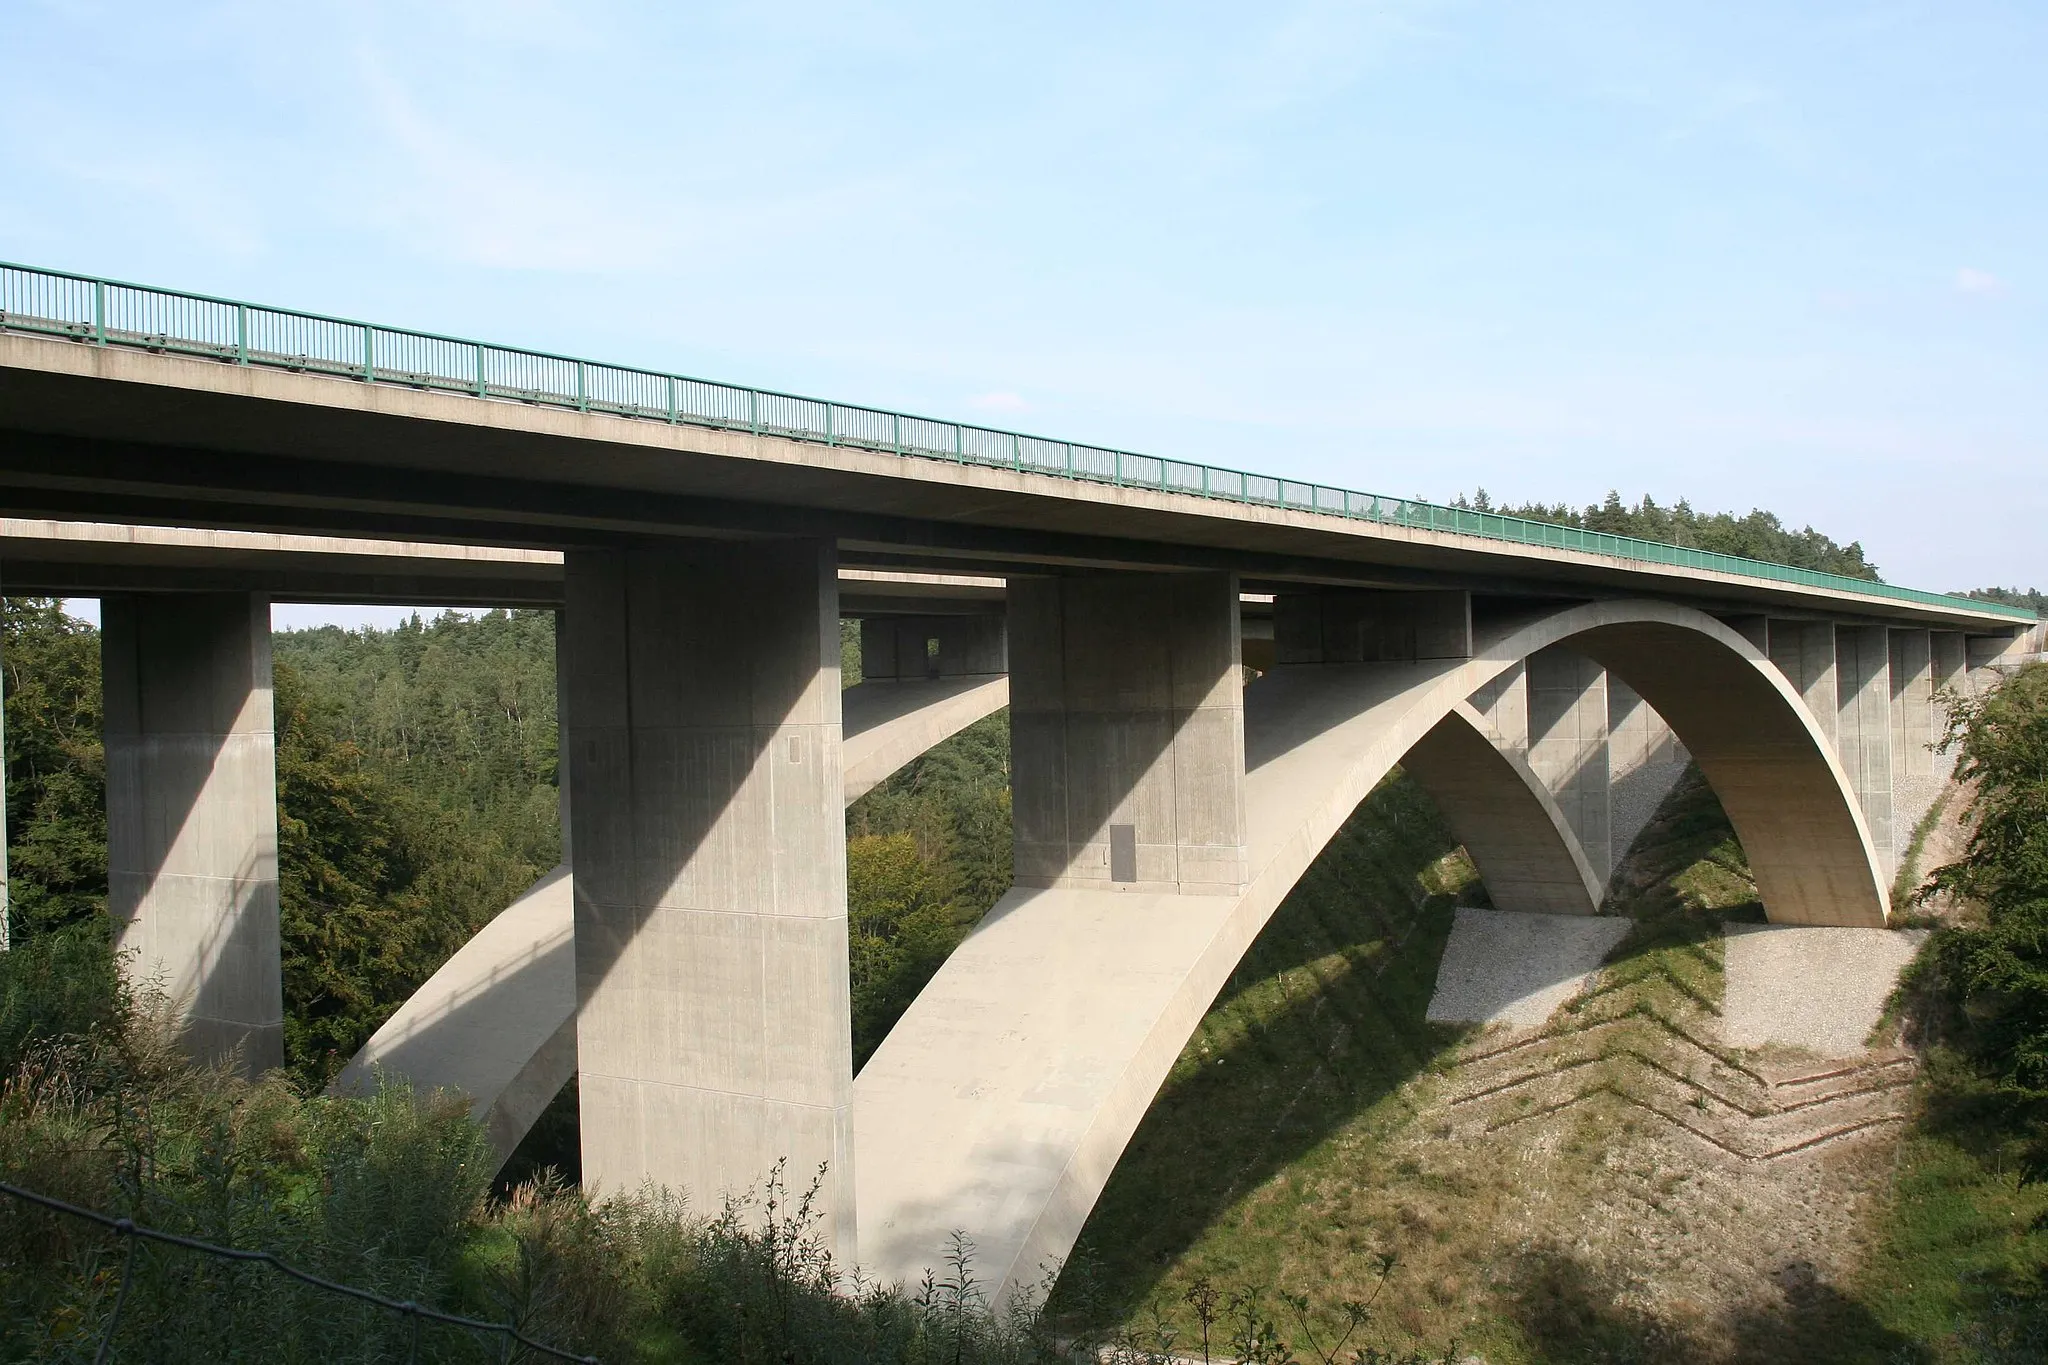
1644	761
1127	733
1568	745
1863	727
192	813
1804	651
713	1034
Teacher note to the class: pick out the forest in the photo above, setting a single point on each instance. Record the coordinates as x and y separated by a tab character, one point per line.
416	797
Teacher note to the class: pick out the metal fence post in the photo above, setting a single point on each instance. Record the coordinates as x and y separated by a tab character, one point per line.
241	334
369	355
99	313
671	400
828	425
482	386
754	410
582	399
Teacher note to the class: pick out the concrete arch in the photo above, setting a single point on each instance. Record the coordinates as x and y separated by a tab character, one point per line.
497	1022
1003	1099
1526	851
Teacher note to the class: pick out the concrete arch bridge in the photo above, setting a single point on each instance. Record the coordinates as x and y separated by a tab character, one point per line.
694	536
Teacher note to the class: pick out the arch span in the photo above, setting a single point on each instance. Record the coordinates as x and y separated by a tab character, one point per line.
1001	1101
497	1022
1526	851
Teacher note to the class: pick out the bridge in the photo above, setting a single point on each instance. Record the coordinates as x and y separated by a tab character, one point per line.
701	541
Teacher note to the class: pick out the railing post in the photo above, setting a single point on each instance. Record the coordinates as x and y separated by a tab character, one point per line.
1205	481
482	386
828	425
959	444
896	424
369	355
582	396
1118	463
1016	452
754	410
241	334
99	313
671	400
1070	459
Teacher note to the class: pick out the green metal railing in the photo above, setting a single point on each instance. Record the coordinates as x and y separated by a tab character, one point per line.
110	313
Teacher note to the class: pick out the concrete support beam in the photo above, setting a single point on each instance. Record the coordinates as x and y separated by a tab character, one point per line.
1644	762
192	813
1804	652
926	647
713	1033
1863	727
1340	626
1127	733
1568	745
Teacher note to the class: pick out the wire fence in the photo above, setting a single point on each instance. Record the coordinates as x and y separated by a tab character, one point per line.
134	1234
111	313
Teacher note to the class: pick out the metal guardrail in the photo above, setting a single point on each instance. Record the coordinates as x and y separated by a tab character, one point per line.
112	313
135	1233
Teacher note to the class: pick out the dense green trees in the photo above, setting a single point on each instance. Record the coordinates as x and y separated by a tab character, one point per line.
1759	535
1988	975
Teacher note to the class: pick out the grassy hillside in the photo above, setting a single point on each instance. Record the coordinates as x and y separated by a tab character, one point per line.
1617	1188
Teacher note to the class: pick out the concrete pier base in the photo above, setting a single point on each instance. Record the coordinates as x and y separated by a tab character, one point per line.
192	814
713	1034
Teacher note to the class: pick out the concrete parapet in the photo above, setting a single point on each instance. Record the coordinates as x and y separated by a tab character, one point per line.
713	1031
1568	745
1127	732
192	813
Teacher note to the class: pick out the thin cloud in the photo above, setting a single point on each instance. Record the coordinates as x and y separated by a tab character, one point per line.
1982	283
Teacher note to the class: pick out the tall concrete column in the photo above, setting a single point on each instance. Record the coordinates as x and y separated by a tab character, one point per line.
1568	745
1644	760
1127	732
1918	773
192	813
713	1034
1863	727
1804	652
1951	665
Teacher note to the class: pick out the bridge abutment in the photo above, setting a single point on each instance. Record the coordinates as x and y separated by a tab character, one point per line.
713	1032
192	814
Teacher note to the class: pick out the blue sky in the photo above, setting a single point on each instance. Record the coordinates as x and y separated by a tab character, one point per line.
1791	256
